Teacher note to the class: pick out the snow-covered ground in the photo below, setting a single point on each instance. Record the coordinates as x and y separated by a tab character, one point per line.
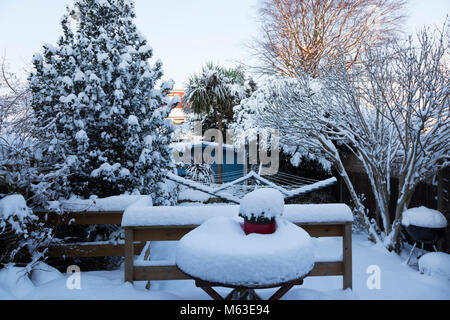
397	281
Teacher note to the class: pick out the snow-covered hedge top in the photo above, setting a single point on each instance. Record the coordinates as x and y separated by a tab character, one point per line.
14	210
265	202
114	203
424	217
14	205
196	215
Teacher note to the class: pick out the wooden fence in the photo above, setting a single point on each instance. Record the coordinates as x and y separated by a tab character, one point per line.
86	249
434	194
139	236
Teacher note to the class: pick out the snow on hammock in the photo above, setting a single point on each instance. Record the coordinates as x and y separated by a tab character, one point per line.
219	191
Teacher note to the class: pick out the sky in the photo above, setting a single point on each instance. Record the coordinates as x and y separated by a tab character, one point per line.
183	33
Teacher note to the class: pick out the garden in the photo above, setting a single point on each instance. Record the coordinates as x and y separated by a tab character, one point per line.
318	172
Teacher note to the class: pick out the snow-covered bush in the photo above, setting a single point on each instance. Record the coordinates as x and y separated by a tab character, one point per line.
15	282
262	206
435	264
25	171
21	234
247	124
23	168
95	101
170	191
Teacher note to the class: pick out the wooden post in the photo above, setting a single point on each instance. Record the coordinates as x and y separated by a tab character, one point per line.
347	255
129	255
440	190
245	169
147	257
440	202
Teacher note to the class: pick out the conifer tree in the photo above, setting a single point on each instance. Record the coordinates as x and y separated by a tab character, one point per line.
95	102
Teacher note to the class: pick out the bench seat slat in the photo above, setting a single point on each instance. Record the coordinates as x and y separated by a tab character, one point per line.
145	273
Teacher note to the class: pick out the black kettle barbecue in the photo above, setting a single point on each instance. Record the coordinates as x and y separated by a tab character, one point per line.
423	233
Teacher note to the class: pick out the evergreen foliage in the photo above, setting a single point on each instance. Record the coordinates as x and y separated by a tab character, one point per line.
96	104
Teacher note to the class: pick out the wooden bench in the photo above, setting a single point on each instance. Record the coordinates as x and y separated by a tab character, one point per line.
144	224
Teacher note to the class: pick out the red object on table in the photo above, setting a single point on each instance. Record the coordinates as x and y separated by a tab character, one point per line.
259	228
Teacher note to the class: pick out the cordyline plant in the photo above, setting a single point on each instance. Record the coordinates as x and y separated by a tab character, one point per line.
392	113
216	89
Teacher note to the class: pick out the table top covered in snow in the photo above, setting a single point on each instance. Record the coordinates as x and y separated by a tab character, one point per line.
219	251
142	215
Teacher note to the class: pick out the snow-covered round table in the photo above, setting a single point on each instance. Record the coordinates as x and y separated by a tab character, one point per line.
218	253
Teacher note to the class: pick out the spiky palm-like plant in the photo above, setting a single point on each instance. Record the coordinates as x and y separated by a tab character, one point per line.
200	172
216	89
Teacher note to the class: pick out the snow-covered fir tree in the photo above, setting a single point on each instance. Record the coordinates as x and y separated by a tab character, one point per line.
95	102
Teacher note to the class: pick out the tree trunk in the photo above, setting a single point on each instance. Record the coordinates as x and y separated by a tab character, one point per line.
328	146
402	205
359	207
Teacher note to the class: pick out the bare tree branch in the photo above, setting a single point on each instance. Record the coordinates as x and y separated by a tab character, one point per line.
298	35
